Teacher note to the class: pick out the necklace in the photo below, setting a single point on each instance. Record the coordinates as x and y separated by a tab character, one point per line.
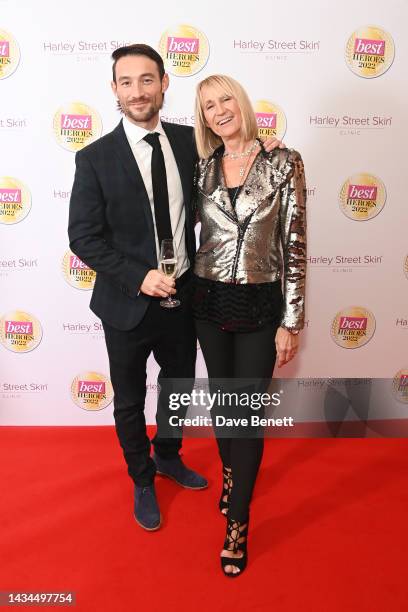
242	155
238	188
246	153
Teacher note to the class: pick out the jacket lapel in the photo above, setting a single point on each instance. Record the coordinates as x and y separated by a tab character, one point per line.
185	166
256	189
182	160
127	158
212	185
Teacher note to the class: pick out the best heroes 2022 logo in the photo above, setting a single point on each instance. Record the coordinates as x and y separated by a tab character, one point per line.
369	52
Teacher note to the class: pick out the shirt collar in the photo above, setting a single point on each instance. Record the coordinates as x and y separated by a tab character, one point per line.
135	133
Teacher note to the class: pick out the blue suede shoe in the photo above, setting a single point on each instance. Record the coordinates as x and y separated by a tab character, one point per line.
147	512
176	470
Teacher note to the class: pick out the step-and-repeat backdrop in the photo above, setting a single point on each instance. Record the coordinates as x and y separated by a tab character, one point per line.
328	79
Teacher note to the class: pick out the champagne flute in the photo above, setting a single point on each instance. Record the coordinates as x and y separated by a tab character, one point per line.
168	265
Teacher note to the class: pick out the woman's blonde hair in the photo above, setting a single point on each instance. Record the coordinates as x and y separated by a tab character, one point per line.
206	140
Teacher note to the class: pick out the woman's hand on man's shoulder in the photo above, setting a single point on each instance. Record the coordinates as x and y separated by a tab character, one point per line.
272	143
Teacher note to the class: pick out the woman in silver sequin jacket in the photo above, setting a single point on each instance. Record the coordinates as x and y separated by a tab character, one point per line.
249	276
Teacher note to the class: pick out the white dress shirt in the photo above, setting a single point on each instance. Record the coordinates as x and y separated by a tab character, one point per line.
142	152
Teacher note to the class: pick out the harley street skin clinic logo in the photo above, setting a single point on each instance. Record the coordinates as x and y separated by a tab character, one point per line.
9	54
20	331
362	197
369	52
184	49
400	386
91	391
76	273
353	327
76	125
15	200
270	118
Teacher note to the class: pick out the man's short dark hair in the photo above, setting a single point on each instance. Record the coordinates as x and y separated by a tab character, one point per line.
138	49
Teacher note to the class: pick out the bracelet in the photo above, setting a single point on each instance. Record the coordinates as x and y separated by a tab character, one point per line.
291	330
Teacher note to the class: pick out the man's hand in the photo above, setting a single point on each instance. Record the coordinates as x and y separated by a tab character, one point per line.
272	143
157	284
286	346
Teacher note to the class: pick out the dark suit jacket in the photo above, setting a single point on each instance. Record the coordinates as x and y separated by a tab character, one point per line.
111	224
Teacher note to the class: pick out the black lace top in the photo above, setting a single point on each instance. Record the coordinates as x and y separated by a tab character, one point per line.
237	307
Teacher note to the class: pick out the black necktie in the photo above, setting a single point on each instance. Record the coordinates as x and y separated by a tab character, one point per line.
160	193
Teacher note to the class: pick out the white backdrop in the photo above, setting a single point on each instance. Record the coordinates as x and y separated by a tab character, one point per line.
292	58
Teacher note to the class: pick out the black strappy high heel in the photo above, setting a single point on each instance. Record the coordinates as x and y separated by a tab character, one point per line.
223	504
235	541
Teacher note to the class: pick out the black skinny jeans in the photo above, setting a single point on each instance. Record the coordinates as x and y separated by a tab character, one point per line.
231	355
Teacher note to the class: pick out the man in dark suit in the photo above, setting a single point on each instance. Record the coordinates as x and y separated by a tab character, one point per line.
132	189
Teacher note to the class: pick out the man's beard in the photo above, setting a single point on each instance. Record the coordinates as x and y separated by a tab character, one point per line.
153	107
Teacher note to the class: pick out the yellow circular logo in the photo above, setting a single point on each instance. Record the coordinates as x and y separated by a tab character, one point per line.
369	52
76	273
362	196
91	391
9	54
15	200
406	266
184	49
270	118
353	327
400	386
20	331
76	125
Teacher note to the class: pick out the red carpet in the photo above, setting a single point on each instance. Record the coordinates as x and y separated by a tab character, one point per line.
328	528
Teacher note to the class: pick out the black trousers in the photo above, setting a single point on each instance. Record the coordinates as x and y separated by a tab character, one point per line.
232	355
170	335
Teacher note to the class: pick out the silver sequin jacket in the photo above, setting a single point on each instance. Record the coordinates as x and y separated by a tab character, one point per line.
263	237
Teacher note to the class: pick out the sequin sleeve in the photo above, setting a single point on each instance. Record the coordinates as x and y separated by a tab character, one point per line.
293	238
200	164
